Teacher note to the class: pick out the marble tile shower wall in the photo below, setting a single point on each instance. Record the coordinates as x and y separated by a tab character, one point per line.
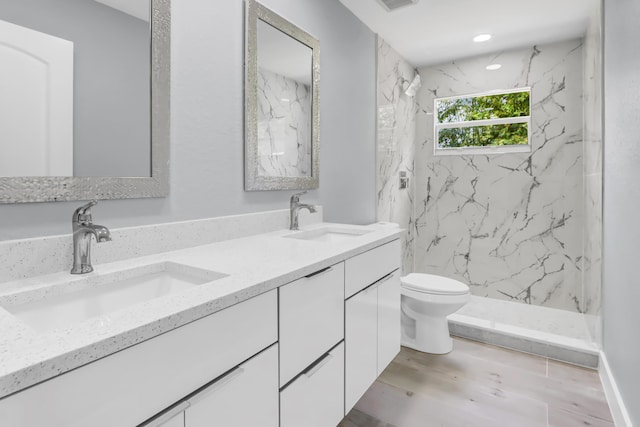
592	277
510	225
395	144
284	118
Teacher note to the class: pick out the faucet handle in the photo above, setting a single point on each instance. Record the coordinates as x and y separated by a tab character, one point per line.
83	213
296	197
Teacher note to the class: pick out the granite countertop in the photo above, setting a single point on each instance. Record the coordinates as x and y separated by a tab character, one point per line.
253	265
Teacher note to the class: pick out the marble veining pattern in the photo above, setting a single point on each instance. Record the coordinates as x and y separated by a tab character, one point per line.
395	144
592	274
284	125
509	225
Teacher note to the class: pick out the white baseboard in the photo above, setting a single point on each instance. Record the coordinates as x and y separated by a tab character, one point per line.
619	412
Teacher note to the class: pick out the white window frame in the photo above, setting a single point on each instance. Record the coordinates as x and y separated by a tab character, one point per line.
498	149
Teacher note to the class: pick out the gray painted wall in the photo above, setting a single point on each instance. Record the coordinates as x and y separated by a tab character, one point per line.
621	282
112	48
207	124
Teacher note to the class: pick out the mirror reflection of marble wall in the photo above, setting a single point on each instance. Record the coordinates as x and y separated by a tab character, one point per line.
281	103
107	90
284	104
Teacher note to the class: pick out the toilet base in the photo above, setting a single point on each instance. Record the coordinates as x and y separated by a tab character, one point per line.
441	346
431	333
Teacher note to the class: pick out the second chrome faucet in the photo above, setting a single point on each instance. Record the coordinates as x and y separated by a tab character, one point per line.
295	207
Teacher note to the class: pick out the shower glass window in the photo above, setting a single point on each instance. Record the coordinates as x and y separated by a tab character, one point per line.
491	122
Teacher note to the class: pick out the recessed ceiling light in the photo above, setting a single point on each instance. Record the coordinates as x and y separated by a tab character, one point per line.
494	67
482	38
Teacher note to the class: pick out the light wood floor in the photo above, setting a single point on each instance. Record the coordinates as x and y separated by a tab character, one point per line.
478	385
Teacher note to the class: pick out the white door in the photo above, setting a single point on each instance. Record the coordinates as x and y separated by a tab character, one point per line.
361	345
311	319
388	320
247	396
316	397
36	103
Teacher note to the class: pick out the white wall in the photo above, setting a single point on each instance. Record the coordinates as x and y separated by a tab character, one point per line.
207	124
621	280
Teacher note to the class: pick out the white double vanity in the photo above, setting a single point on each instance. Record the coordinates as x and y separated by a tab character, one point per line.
285	328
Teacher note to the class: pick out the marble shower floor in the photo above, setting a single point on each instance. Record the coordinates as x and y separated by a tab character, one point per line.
548	332
479	385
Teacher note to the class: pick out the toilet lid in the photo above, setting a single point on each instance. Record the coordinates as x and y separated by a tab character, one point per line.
432	284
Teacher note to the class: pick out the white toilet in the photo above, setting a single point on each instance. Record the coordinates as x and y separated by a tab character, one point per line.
427	300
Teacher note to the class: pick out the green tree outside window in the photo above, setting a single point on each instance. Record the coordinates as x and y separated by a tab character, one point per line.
484	108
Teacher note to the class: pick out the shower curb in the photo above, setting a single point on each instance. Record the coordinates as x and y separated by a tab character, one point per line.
546	345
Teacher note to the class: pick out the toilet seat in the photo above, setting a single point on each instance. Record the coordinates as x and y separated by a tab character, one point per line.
433	285
436	298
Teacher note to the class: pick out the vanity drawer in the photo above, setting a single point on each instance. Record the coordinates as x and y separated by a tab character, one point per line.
316	398
246	396
364	269
128	387
311	319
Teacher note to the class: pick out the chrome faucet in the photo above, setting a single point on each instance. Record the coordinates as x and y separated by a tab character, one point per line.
295	206
83	229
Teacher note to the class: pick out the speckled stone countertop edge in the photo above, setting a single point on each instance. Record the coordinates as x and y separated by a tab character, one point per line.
28	358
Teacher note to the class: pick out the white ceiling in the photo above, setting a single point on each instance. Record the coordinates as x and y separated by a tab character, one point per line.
437	31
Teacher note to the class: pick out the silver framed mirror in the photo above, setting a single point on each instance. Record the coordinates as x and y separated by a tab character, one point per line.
282	103
152	18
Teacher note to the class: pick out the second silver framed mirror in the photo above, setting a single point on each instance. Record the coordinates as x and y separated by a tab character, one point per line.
282	103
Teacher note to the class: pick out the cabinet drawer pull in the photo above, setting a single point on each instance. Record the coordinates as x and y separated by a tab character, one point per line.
219	384
319	273
315	368
385	278
378	283
167	416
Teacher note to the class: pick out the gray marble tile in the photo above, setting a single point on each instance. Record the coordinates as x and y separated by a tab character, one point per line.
284	126
593	131
592	244
395	144
510	225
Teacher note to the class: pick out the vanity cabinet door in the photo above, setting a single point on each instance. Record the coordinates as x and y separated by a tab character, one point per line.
316	397
361	345
246	396
154	374
388	319
311	319
364	269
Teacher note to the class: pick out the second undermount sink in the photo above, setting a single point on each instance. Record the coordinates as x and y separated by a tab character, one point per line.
328	234
79	299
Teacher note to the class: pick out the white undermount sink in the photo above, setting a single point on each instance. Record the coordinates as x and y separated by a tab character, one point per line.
328	234
81	298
